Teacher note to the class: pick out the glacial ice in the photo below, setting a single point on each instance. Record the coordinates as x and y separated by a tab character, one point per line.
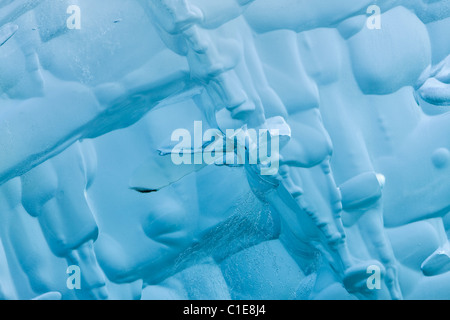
358	106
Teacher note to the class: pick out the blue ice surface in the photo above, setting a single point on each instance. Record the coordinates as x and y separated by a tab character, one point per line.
224	149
